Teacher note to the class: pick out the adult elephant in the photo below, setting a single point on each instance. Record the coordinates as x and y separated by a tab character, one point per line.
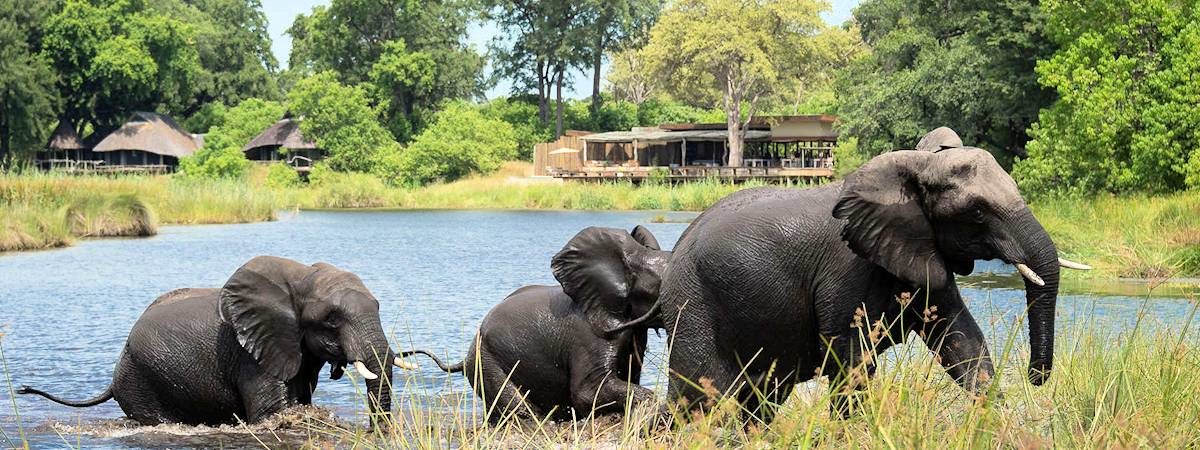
250	349
771	286
576	348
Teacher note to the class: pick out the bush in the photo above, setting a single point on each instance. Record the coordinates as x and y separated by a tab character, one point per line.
282	176
847	157
522	115
460	141
221	156
210	162
341	120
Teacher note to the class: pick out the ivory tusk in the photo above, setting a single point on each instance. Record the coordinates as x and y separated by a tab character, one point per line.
362	370
1030	275
405	364
1073	265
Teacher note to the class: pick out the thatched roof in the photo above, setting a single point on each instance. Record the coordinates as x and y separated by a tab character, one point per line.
152	133
284	133
65	138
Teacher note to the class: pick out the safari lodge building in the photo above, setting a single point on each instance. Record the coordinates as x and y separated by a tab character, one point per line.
148	143
776	148
283	142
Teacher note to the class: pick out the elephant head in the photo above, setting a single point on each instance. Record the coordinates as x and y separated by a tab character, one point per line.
922	215
285	312
614	275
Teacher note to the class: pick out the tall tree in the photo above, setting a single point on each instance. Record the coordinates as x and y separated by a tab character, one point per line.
114	58
614	25
27	96
349	37
541	42
740	48
234	48
1126	119
964	64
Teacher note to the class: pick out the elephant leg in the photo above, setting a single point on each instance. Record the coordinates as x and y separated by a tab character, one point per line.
699	375
764	397
850	374
607	395
264	397
503	400
959	345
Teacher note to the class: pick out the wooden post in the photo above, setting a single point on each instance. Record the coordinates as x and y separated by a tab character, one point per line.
635	153
683	153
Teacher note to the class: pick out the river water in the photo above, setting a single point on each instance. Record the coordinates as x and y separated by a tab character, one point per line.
65	313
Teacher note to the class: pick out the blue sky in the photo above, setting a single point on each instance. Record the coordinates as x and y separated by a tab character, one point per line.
280	14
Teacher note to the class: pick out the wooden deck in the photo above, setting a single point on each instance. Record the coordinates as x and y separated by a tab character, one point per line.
733	174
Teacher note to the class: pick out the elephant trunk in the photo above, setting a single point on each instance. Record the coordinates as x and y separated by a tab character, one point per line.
1042	258
367	348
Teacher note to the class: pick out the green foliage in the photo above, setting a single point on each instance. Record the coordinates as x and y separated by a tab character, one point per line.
215	162
28	98
282	176
413	51
1126	116
522	114
343	123
222	155
210	115
848	157
655	112
120	55
967	65
460	141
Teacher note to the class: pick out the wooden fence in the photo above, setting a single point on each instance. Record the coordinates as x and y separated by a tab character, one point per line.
565	154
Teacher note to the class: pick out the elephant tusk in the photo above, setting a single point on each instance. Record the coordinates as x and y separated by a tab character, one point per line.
362	370
1030	275
1073	265
405	364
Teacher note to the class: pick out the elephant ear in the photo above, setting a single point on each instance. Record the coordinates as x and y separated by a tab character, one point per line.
882	203
259	303
644	237
594	271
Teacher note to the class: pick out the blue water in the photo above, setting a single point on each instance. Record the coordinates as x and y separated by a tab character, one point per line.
65	313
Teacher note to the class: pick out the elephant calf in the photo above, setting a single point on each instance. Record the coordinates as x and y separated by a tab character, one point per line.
574	348
250	349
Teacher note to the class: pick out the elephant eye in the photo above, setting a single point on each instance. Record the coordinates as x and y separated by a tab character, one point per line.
331	321
977	215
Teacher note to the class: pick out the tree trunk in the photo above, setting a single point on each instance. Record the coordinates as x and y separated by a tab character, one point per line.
558	115
597	60
733	118
5	134
543	93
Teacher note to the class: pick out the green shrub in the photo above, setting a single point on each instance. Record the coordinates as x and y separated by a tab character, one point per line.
210	162
282	176
847	157
221	156
460	141
342	122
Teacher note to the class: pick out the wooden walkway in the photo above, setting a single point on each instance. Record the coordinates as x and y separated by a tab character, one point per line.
733	174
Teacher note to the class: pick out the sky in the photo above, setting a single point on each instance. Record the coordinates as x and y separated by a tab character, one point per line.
281	13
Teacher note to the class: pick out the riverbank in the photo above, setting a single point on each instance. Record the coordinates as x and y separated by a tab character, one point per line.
1153	238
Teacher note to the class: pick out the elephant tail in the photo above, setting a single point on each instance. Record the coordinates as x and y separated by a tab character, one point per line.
457	367
103	397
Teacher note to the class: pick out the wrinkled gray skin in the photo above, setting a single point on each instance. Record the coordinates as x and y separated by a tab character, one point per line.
575	348
183	362
773	276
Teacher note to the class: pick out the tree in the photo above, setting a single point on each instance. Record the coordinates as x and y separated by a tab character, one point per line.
629	77
350	37
540	43
739	48
402	80
27	95
343	123
1126	117
115	58
222	154
460	141
234	49
615	25
964	64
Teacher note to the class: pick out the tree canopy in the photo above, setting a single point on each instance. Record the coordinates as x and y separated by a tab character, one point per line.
28	100
1126	118
965	64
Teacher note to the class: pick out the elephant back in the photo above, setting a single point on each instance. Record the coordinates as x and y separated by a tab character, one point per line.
184	294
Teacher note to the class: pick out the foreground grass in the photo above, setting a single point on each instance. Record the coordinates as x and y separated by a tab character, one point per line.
1136	388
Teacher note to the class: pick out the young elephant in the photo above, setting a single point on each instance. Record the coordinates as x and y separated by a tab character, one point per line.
572	348
250	349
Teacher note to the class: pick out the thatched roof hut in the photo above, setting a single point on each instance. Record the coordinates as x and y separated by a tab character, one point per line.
151	133
65	138
284	133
